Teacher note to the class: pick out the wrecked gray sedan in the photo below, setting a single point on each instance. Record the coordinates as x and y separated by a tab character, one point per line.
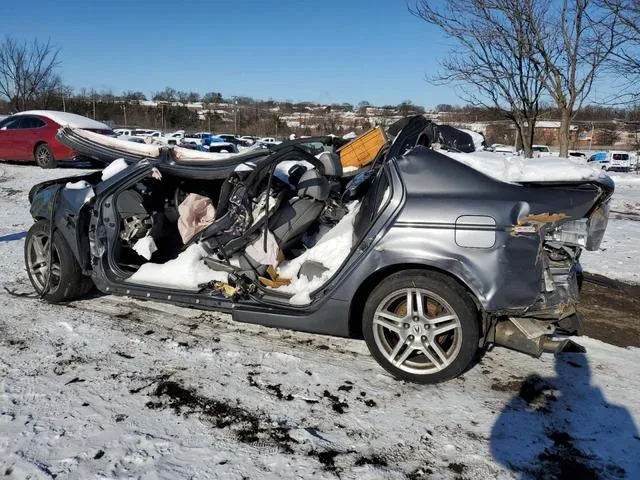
423	256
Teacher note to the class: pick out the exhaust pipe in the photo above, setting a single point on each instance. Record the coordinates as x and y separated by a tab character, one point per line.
532	337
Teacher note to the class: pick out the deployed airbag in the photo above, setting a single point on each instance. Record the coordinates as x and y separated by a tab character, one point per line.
196	213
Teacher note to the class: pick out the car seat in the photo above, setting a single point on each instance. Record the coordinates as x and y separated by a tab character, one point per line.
296	215
332	164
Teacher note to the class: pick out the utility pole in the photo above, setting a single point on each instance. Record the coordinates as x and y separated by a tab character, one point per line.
124	109
235	119
64	106
94	108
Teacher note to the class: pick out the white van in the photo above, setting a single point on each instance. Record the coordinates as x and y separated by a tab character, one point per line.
614	161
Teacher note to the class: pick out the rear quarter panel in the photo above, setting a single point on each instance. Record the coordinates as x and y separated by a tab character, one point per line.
438	191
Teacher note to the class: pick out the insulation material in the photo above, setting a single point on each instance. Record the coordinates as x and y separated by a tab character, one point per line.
186	272
257	252
113	168
331	250
145	247
196	213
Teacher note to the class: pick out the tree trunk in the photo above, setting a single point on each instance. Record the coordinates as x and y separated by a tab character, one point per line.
564	134
524	138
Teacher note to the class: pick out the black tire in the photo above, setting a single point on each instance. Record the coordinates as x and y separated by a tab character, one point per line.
44	156
446	295
69	282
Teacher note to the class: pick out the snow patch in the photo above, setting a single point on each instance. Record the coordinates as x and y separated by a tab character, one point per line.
331	250
113	168
186	272
145	247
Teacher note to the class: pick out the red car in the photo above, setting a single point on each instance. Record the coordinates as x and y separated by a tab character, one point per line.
29	136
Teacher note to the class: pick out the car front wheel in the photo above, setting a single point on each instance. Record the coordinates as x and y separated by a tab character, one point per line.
53	270
421	326
44	156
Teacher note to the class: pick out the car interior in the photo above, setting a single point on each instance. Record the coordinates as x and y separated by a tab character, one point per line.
298	200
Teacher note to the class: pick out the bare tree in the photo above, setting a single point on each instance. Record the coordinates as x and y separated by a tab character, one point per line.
574	39
27	71
493	62
626	58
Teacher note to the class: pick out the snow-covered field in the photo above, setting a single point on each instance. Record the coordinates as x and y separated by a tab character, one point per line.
108	387
619	254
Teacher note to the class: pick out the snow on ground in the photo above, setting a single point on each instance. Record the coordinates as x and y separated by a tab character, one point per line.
619	253
107	387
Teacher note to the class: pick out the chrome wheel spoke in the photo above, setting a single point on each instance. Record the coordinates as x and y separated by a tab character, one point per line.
419	304
444	318
39	248
55	270
393	356
400	360
444	328
410	305
432	358
388	321
441	355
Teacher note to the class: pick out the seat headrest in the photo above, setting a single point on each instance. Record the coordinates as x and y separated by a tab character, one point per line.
331	162
313	185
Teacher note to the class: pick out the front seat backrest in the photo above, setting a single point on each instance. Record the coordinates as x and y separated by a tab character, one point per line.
313	185
295	216
332	164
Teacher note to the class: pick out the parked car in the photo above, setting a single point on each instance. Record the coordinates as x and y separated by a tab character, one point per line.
31	136
123	132
614	161
500	148
268	141
577	155
423	256
541	151
248	139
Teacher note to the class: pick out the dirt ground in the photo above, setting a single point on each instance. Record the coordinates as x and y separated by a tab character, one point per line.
610	310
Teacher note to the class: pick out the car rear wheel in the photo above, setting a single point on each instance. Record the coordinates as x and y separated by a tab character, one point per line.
44	156
421	326
58	274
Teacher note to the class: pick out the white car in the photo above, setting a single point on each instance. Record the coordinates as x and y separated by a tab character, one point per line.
268	141
541	151
499	148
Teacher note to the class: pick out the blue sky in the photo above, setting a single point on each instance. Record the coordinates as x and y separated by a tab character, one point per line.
326	50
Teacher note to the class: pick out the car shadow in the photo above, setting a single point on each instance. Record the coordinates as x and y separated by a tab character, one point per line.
564	428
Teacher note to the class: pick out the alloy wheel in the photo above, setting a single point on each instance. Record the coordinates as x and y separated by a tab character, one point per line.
38	262
417	331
